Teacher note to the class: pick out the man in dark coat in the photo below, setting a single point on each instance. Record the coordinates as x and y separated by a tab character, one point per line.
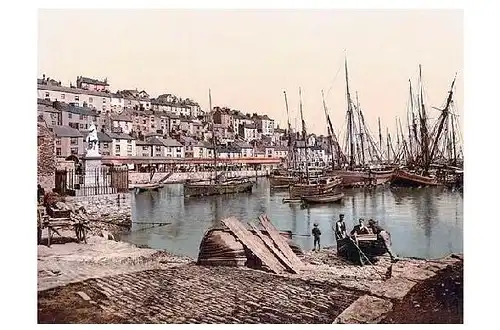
316	234
384	236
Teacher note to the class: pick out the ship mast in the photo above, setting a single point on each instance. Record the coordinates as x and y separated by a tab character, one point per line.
380	137
214	144
291	146
360	131
304	133
350	120
423	128
329	129
443	117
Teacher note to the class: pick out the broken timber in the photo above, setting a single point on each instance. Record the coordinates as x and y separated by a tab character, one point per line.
281	243
254	244
278	254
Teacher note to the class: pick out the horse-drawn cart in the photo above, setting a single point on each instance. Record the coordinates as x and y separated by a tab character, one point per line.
53	219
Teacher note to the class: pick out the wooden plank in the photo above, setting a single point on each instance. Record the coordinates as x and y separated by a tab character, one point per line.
280	242
277	253
253	244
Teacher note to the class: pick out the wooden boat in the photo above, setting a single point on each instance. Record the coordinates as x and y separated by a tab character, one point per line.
352	178
317	186
219	247
220	188
139	188
281	181
405	178
327	198
220	184
382	176
369	244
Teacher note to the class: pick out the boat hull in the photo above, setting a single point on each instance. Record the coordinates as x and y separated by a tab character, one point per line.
281	181
199	189
407	179
297	191
219	247
383	177
323	199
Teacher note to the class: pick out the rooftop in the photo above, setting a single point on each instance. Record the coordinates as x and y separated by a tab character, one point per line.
120	136
65	131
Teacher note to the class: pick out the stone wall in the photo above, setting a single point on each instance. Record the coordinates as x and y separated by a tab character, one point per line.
108	212
46	162
136	177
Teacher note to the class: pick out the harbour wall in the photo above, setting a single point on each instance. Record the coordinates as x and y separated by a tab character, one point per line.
138	177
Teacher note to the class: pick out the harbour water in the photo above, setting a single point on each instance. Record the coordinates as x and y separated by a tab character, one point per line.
423	222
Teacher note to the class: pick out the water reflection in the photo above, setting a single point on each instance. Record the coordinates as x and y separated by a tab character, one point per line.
423	222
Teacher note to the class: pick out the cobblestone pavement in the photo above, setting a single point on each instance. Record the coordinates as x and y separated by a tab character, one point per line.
195	294
72	262
130	284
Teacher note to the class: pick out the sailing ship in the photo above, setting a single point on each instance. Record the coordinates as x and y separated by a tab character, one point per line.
282	178
428	147
220	184
321	185
353	164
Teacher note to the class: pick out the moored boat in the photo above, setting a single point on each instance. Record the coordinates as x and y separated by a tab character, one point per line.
404	178
220	188
316	186
322	199
369	244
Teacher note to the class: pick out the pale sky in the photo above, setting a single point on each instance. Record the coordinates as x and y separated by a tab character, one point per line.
248	58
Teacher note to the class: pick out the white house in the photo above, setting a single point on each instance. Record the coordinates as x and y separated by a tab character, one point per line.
280	151
246	148
122	145
122	121
173	148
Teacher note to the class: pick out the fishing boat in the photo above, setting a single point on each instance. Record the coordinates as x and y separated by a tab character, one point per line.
219	247
405	178
281	178
220	184
314	187
323	199
369	244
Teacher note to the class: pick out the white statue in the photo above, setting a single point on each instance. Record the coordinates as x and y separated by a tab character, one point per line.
92	142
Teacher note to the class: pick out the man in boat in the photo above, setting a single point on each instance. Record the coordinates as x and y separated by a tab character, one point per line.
340	231
383	235
316	234
360	229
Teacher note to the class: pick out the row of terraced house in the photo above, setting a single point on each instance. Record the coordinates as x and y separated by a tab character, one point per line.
132	123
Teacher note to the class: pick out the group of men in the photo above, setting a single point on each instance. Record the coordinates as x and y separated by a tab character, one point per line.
359	229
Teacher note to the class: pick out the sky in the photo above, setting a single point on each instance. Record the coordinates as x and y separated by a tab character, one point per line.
249	57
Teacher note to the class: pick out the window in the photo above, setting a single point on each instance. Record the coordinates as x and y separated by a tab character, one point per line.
58	151
47	94
90	100
105	145
77	98
74	151
81	126
129	148
178	150
117	148
73	141
81	117
103	100
70	115
158	148
145	147
129	142
63	96
85	117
